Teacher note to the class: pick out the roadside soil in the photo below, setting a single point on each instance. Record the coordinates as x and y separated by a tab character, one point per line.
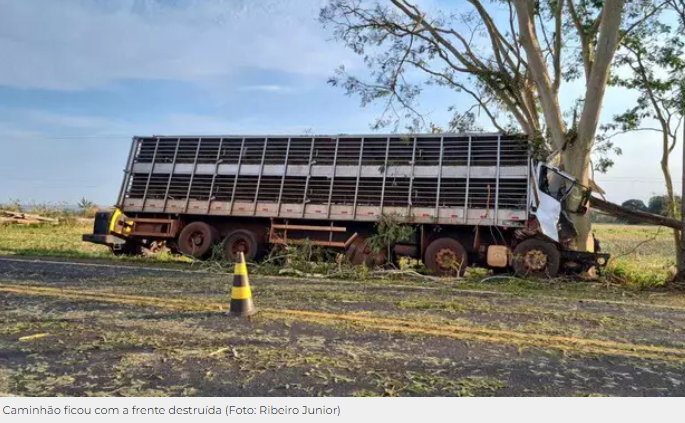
84	329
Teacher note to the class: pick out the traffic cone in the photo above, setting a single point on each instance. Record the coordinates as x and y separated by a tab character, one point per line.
241	293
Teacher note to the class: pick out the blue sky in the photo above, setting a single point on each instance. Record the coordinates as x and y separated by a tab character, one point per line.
80	77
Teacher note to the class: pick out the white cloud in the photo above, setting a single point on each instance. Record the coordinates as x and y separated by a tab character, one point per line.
267	88
19	125
77	44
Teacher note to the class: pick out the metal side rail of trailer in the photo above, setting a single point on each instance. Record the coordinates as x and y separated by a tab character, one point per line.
471	198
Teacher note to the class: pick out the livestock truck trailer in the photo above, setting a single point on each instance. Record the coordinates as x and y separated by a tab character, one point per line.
470	199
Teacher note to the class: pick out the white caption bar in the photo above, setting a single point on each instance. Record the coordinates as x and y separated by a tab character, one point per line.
357	410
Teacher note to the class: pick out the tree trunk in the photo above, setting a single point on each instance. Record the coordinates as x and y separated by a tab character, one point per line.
576	161
576	157
549	100
680	276
671	205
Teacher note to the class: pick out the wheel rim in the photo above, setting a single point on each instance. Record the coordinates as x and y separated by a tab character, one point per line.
448	260
197	239
535	260
239	246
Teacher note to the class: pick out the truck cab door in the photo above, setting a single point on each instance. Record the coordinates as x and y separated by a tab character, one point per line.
548	212
549	187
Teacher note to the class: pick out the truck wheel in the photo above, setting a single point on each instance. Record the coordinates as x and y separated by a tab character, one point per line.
360	253
536	258
196	239
446	257
244	241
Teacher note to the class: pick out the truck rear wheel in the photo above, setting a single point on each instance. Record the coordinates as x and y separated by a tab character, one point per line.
244	241
197	238
361	253
446	257
537	258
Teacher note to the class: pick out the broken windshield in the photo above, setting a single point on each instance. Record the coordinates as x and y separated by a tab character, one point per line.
553	183
564	189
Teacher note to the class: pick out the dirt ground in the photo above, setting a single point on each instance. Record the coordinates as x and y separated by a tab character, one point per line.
90	330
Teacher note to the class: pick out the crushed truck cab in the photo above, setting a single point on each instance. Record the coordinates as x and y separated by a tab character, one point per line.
555	196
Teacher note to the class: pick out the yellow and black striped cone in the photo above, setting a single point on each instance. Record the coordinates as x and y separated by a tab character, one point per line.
241	293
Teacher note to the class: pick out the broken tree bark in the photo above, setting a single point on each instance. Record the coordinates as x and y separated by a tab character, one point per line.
634	215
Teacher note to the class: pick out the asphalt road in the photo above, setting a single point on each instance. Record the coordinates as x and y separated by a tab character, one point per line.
106	329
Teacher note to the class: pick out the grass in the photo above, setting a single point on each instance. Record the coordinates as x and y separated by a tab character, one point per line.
63	241
50	240
642	256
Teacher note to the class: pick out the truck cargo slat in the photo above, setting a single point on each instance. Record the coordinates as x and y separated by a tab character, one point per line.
315	174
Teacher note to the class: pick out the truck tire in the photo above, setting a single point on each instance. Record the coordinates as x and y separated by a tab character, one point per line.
245	241
360	253
446	257
536	258
196	239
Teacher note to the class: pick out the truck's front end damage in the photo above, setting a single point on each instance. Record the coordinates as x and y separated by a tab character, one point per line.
129	234
556	196
110	228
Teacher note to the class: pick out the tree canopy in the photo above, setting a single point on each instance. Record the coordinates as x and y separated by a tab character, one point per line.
510	57
635	204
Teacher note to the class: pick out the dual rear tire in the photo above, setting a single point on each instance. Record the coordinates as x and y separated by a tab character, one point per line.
535	258
446	257
361	253
241	240
198	238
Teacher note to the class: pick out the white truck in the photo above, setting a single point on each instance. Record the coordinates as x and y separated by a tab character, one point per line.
471	199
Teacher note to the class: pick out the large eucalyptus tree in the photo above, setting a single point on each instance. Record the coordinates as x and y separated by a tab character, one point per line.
511	57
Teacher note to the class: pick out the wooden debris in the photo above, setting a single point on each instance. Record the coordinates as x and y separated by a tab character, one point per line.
19	218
